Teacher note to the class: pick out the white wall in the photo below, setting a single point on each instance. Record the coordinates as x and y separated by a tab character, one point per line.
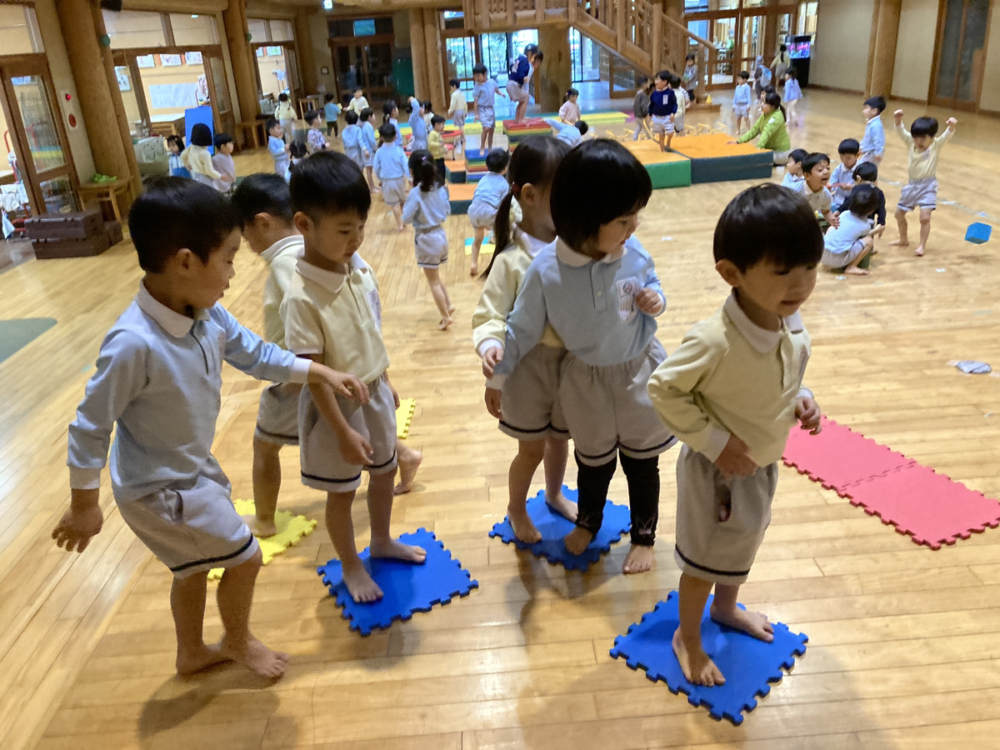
911	77
840	58
990	99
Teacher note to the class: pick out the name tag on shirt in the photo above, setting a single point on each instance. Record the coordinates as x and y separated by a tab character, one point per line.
627	291
376	306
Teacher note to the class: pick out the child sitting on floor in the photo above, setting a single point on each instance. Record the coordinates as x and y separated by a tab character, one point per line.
816	172
866	173
793	170
847	247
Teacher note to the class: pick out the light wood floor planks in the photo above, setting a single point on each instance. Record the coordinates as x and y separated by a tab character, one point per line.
904	648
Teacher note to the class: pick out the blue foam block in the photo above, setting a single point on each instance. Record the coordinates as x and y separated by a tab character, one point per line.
554	527
978	233
749	665
407	588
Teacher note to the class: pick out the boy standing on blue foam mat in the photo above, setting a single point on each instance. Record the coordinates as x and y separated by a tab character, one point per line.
731	392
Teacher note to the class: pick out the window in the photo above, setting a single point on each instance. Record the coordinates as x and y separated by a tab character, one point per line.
282	31
270	30
192	30
258	30
131	29
19	30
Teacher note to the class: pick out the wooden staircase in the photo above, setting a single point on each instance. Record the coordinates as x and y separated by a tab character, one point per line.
636	30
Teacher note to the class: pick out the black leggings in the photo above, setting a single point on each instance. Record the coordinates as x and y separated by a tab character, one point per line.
332	126
643	475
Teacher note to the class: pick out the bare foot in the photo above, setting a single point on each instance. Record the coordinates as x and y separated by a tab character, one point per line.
407	472
524	527
559	504
396	550
256	657
473	269
445	322
451	309
899	243
578	540
359	584
854	271
698	669
260	529
751	623
919	252
638	560
401	228
208	656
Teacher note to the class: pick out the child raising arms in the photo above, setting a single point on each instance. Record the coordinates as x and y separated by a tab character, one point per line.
731	392
531	412
597	288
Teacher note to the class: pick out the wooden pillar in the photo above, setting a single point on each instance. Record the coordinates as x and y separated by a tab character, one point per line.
555	74
234	18
432	50
882	56
304	45
674	9
771	45
418	55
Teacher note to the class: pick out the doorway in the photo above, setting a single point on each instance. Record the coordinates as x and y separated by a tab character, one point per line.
277	73
960	54
366	65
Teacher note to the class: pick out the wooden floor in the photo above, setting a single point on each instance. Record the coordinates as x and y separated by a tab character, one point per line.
904	644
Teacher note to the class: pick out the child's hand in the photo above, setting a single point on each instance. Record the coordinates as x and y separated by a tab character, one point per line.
493	399
490	358
735	461
878	231
354	448
898	115
80	523
226	178
394	392
345	384
649	302
952	122
834	220
807	411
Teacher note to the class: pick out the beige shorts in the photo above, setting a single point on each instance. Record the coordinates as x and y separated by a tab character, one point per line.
531	409
662	124
278	414
431	247
394	191
482	215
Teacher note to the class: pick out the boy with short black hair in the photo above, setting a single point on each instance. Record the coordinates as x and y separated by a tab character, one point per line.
484	94
435	143
393	171
873	142
866	173
159	379
848	247
352	139
491	189
742	101
315	141
457	110
663	108
279	150
816	174
223	162
793	170
331	113
842	179
640	106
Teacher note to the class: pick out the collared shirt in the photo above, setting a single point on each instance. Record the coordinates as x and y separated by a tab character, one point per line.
281	258
820	201
589	303
743	96
793	182
390	162
570	134
841	174
729	376
338	316
873	142
419	129
662	103
352	140
159	378
792	90
923	164
492	189
484	94
435	144
367	137
357	104
224	165
457	102
426	210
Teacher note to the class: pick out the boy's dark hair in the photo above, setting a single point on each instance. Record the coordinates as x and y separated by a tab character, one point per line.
571	92
298	150
387	132
876	102
849	146
270	124
282	97
578	211
311	116
328	183
784	48
497	160
175	213
924	126
745	75
539	56
454	83
428	106
582	127
263	193
531	49
768	222
359	88
221	139
351	117
864	200
866	171
665	75
675	82
812	161
176	140
480	70
436	119
641	81
690	56
798	155
366	113
328	97
424	170
201	135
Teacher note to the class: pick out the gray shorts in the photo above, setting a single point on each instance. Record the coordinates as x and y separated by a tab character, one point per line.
919	194
431	247
459	118
488	117
191	526
721	551
323	465
516	91
844	259
608	409
531	409
662	124
394	191
278	414
482	215
741	110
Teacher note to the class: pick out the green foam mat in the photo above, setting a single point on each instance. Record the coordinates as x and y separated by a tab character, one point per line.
669	174
16	334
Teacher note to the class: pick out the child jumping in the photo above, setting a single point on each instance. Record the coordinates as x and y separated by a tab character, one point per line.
663	107
490	192
391	168
484	93
921	191
531	411
847	247
731	392
597	288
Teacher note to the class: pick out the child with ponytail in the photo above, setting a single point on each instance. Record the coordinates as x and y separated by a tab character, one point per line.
531	411
427	208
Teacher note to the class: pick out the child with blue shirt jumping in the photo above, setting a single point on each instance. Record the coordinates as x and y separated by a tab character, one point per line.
277	148
418	126
484	92
873	142
427	206
490	192
663	108
391	168
597	288
159	381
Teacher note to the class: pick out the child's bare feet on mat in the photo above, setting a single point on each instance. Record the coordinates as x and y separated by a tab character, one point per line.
256	657
260	529
899	243
398	551
445	322
919	252
578	540
638	560
751	623
207	656
698	669
857	271
524	527
359	584
559	504
408	466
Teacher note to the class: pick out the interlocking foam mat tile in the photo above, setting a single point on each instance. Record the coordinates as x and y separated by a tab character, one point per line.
291	529
404	417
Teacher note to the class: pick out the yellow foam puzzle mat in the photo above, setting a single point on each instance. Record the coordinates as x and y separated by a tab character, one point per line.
485	249
291	529
404	415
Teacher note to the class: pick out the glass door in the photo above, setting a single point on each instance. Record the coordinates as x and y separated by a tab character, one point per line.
751	43
378	70
723	73
367	66
219	94
960	55
460	59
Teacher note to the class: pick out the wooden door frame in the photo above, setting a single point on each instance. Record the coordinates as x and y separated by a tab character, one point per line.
477	46
256	69
121	56
362	42
932	98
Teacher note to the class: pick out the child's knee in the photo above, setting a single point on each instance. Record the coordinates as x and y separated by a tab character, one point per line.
264	448
531	449
925	217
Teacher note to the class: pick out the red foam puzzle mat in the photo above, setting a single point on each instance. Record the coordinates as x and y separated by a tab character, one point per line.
930	507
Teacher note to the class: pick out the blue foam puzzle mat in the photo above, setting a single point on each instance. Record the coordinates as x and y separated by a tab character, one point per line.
407	587
554	527
749	665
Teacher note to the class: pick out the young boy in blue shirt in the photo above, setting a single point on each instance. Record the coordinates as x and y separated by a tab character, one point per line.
484	92
393	172
159	377
873	142
331	113
277	148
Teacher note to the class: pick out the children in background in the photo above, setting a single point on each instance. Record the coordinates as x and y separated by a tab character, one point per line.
742	99
331	113
297	151
175	145
690	76
223	162
866	173
842	179
315	141
531	411
358	102
428	108
391	169
457	111
277	148
390	114
285	114
490	192
770	126
426	209
518	77
484	93
816	173
849	245
873	142
569	112
367	141
159	380
761	77
571	135
352	139
435	143
793	93
921	191
793	170
681	95
198	160
732	391
663	107
333	314
597	287
640	107
418	127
